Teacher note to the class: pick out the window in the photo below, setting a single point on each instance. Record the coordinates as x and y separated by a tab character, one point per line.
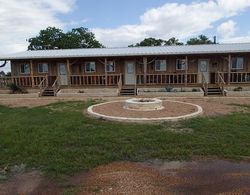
180	64
237	63
110	67
43	68
25	69
160	65
90	67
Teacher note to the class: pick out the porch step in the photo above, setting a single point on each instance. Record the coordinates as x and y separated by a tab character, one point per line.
48	92
214	91
128	91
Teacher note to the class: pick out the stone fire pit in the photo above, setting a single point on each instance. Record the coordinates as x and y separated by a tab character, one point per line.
143	104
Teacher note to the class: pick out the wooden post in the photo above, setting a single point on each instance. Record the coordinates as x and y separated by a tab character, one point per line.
229	69
106	73
68	71
145	63
186	72
32	74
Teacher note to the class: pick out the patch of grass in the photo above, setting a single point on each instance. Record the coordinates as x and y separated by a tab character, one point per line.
60	140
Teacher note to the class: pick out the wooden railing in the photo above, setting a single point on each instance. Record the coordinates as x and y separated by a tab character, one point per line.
43	84
172	78
221	82
5	82
204	84
78	80
240	77
56	85
120	84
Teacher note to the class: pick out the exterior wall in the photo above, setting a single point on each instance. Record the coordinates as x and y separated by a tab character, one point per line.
77	66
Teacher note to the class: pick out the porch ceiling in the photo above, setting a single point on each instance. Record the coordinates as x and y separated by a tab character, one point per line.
132	51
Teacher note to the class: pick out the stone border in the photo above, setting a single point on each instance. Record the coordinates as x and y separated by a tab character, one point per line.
145	120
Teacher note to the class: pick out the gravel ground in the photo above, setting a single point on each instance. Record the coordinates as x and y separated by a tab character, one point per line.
171	109
154	177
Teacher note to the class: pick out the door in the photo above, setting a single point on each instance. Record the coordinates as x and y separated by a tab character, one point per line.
62	73
204	70
130	77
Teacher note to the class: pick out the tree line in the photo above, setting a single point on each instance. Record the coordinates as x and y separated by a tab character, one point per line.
55	38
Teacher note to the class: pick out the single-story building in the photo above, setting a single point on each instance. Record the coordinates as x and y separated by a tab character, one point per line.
206	66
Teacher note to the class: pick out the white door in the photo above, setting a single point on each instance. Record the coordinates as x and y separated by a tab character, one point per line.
130	75
62	73
204	70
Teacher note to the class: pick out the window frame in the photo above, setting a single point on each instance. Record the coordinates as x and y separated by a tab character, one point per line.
165	63
176	64
86	63
24	69
237	68
43	68
109	64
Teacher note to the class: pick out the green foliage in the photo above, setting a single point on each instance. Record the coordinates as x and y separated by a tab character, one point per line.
169	89
201	39
238	89
157	42
14	88
59	139
52	38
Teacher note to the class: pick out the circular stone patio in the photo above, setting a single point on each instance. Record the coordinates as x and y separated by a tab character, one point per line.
172	111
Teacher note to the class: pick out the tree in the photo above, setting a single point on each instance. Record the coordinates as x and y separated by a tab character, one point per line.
149	42
52	38
201	39
173	41
157	42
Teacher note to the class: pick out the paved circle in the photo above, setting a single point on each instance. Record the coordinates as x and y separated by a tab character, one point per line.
174	111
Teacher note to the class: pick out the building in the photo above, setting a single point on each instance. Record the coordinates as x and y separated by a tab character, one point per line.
205	66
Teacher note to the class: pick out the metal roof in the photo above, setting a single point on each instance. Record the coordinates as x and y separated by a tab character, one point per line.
131	51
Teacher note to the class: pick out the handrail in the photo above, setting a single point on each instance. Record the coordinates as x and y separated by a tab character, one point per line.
120	83
43	84
204	84
221	83
56	85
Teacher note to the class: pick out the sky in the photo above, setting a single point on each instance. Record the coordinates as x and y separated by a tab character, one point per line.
119	23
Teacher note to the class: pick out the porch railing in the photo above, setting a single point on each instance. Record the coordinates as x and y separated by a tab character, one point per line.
240	77
235	77
172	78
221	83
5	81
78	80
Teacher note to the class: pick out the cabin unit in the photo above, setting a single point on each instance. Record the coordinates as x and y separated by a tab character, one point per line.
205	66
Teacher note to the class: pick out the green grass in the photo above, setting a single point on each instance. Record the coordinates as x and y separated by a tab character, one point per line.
60	140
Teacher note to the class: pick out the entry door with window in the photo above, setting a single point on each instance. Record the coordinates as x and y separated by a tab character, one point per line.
130	75
62	73
204	70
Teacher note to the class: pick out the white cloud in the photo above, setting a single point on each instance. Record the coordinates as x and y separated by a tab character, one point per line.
172	19
237	39
227	29
22	19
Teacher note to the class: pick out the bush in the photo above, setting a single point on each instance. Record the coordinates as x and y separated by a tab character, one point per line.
169	89
238	89
14	88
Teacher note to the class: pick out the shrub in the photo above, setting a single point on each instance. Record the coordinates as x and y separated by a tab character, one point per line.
14	88
169	88
195	90
238	89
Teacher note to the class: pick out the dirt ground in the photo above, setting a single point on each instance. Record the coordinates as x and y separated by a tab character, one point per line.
210	105
170	110
152	177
